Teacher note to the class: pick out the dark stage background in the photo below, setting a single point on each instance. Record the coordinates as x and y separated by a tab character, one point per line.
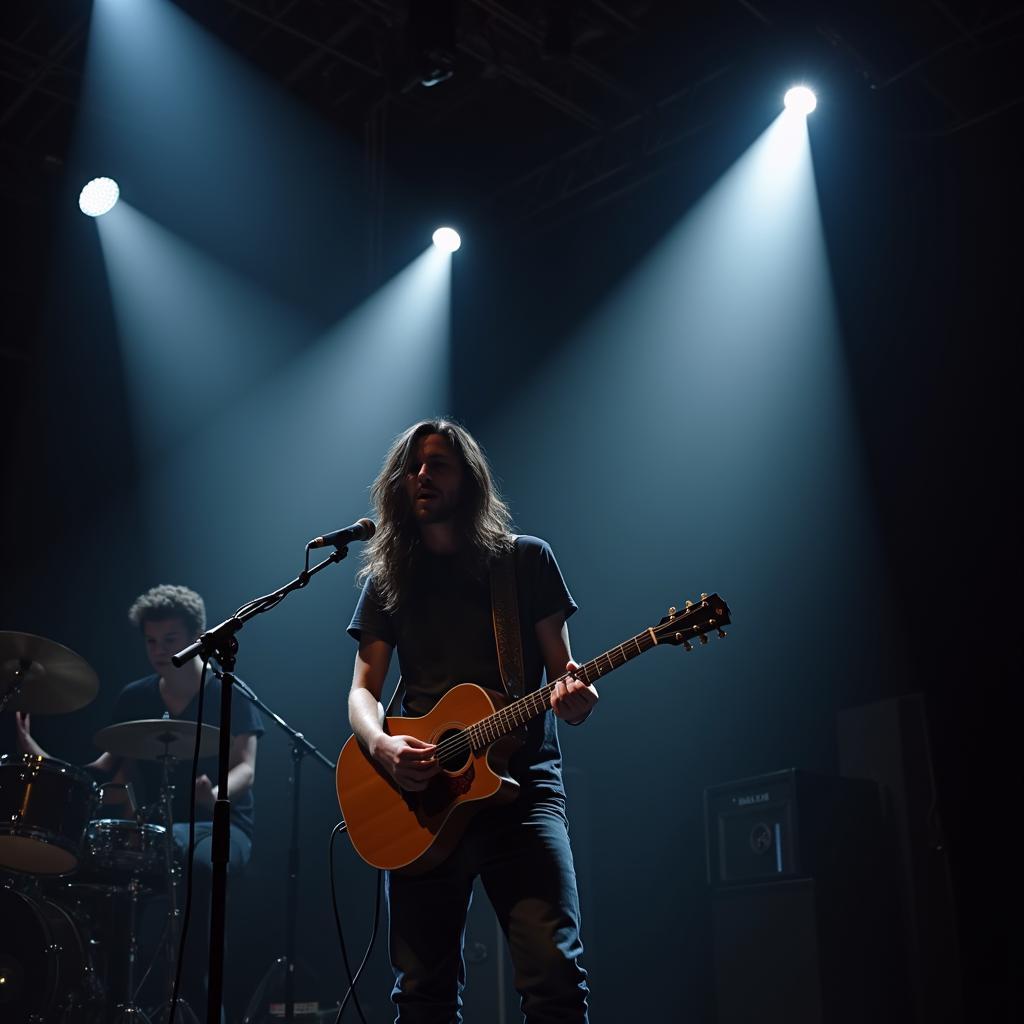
190	398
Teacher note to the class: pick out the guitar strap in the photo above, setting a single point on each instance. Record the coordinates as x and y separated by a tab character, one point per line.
505	615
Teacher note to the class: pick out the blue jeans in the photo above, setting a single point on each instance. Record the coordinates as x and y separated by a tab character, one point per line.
521	853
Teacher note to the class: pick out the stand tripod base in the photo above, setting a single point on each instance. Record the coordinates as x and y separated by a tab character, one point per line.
130	1014
272	980
270	992
182	1015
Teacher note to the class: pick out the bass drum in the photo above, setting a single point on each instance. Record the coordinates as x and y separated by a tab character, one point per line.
45	973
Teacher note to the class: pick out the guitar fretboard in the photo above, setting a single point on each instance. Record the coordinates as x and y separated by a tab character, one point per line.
519	712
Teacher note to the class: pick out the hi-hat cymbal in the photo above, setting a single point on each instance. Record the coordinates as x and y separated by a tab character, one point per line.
42	676
153	738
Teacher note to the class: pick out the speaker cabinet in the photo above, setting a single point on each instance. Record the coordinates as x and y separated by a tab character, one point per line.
806	927
789	953
791	824
888	742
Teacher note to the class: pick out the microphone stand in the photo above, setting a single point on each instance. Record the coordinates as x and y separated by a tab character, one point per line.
221	643
300	748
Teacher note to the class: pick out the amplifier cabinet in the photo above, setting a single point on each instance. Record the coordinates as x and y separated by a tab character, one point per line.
791	824
806	917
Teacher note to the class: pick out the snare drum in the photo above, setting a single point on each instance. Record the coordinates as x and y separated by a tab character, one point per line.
45	806
117	849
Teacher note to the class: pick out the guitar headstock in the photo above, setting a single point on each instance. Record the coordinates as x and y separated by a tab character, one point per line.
693	622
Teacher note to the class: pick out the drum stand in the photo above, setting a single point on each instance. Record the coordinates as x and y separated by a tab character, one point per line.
128	1012
282	970
183	1013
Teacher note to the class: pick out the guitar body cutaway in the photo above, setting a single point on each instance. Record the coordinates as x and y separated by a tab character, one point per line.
411	832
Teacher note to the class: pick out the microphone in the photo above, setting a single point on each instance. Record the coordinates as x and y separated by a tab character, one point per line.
363	530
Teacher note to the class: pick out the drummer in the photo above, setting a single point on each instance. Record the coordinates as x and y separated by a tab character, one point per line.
169	617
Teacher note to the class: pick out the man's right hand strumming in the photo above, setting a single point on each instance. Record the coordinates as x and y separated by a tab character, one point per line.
409	761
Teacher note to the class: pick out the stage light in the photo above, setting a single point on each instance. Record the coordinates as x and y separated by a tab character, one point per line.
431	33
98	197
447	239
800	100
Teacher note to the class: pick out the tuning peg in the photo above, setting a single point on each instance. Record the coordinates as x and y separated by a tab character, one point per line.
672	612
703	639
687	646
722	634
689	604
703	597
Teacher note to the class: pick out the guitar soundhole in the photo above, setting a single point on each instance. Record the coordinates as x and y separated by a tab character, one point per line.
456	760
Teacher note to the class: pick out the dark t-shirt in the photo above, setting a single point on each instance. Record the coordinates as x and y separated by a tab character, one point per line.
142	699
444	635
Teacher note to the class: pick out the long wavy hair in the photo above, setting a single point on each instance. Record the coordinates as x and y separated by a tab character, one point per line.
482	518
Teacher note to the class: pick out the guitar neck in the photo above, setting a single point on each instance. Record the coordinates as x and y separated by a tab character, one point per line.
519	712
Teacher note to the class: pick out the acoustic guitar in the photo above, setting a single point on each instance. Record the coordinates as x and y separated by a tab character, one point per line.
475	730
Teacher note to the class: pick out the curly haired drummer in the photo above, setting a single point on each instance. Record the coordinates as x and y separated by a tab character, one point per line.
169	616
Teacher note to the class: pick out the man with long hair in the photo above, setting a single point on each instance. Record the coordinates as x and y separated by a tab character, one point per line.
442	526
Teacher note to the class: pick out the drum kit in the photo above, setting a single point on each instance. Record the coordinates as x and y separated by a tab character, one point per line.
71	882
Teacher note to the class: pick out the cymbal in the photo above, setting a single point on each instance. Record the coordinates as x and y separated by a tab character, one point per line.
153	738
43	676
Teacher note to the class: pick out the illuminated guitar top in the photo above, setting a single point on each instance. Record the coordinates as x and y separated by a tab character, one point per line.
475	731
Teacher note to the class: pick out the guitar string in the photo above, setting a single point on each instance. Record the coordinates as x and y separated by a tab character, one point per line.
508	718
519	712
499	722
